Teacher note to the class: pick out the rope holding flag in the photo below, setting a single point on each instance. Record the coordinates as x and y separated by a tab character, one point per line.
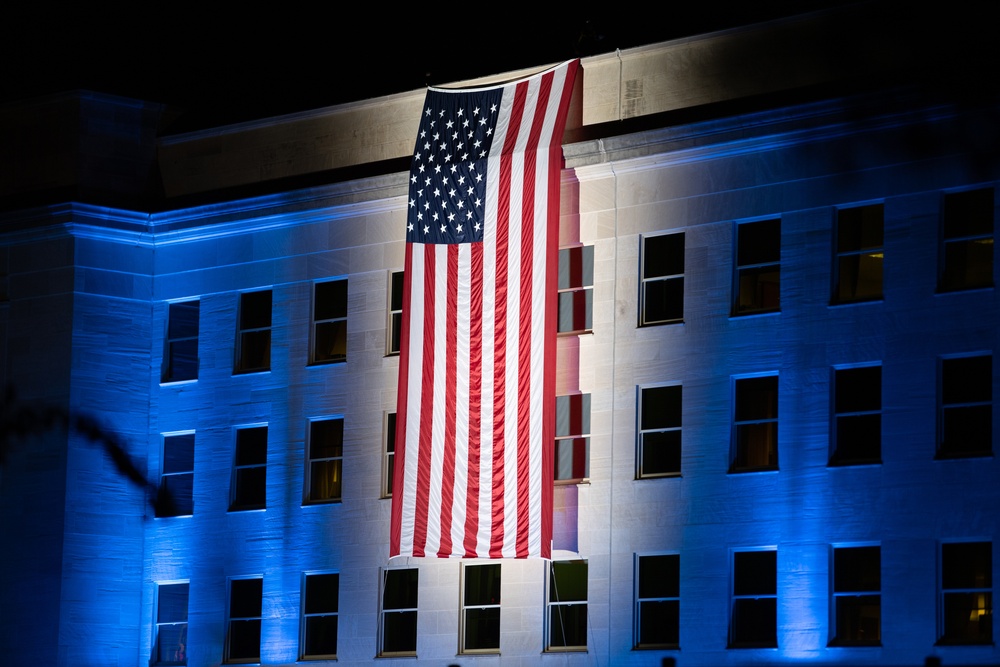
474	418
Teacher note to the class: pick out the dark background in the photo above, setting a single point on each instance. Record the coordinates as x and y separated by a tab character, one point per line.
227	63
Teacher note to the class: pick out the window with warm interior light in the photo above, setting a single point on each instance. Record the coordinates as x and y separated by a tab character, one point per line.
967	240
325	466
757	280
860	254
329	339
966	593
755	423
857	596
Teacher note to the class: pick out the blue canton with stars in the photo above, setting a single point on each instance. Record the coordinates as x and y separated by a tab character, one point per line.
447	197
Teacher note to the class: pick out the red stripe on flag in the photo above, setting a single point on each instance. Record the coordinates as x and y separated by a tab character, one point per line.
475	399
426	407
500	342
399	456
448	469
524	361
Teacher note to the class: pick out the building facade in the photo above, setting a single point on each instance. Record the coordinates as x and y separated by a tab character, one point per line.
774	395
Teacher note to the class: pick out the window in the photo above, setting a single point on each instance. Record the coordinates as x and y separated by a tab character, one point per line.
395	312
659	431
758	267
657	601
182	342
859	254
567	606
572	455
389	459
249	484
329	341
967	593
171	624
481	608
175	495
398	616
320	603
755	427
857	599
243	624
754	622
966	417
324	471
967	239
662	298
253	340
857	419
576	289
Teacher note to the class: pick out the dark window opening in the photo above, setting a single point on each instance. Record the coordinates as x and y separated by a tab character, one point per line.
662	298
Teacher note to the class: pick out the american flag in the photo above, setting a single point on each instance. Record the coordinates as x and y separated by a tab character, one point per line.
474	427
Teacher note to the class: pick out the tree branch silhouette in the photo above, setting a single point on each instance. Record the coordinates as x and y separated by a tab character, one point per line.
23	422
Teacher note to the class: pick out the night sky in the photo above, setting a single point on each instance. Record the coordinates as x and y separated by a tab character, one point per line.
225	66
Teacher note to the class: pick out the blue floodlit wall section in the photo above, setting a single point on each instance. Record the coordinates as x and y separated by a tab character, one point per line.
86	330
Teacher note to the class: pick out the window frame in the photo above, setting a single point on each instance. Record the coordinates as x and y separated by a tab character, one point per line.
157	623
575	440
735	596
383	611
228	658
949	239
175	338
944	638
858	415
645	282
577	289
164	487
943	450
238	470
393	334
857	252
310	460
465	607
551	605
641	432
246	332
305	615
639	600
737	437
757	268
334	320
855	594
388	452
